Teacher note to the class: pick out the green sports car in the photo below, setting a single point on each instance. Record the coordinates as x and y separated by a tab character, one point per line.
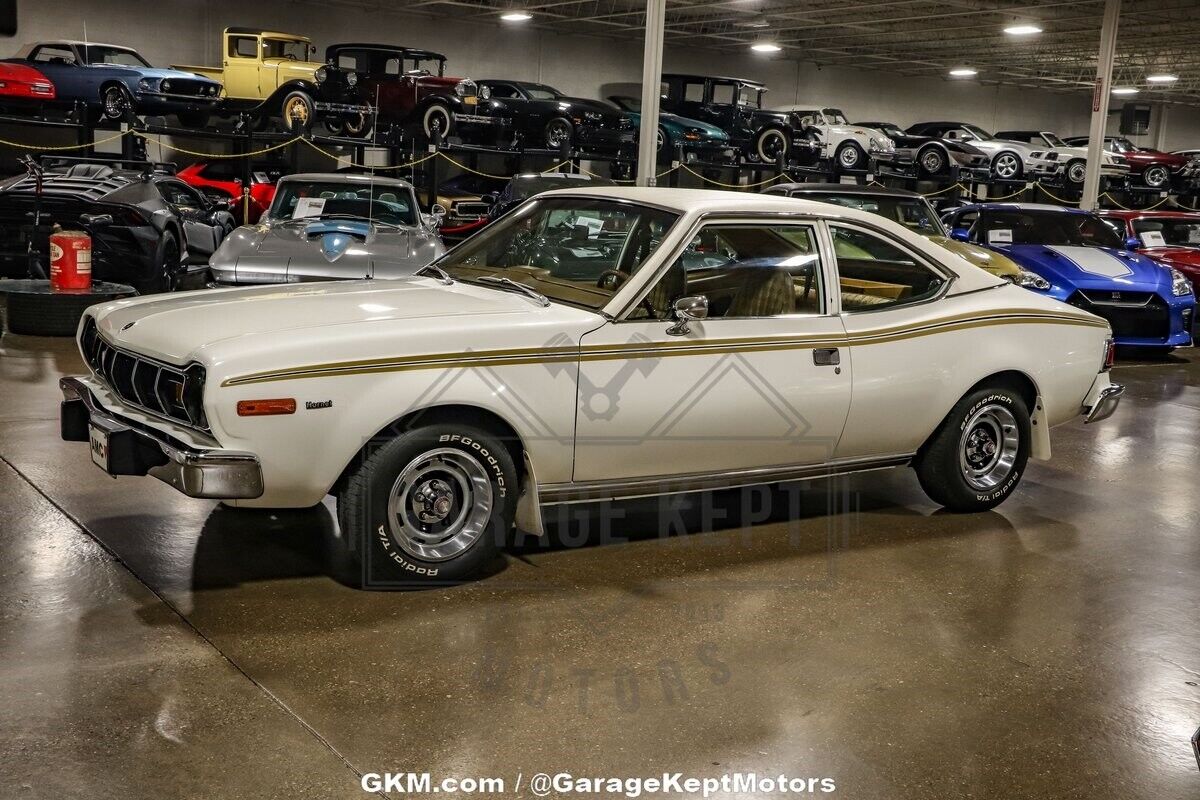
700	141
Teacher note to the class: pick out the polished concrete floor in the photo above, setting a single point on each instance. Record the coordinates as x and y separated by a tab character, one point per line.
155	646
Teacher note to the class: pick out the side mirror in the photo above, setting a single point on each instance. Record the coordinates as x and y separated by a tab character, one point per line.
435	216
688	310
220	203
1133	243
490	198
961	234
96	220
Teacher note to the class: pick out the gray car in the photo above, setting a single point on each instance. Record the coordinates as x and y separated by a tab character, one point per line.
328	226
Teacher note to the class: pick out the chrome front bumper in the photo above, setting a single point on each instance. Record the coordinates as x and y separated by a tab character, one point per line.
1102	401
213	474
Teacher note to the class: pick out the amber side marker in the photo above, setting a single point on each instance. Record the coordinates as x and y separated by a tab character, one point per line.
264	408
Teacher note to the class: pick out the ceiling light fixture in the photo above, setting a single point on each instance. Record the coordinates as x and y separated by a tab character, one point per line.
963	72
1022	30
1162	78
516	16
765	47
1124	90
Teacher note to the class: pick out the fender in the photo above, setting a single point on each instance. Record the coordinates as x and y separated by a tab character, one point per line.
297	85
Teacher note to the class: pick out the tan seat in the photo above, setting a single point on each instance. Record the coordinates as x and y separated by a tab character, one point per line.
763	293
852	300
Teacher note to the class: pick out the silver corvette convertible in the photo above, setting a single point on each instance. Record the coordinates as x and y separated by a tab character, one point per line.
327	226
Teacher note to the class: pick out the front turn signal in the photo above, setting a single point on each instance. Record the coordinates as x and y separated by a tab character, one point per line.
265	408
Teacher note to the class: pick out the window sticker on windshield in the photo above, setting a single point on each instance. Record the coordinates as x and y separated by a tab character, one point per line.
261	177
1153	239
308	207
1193	235
1000	236
593	224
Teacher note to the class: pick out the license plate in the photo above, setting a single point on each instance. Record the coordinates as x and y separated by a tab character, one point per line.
470	101
98	442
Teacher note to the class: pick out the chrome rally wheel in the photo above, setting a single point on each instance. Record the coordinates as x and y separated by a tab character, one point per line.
439	505
988	447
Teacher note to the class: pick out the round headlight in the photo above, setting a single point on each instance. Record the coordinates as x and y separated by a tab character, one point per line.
352	78
320	75
484	93
166	86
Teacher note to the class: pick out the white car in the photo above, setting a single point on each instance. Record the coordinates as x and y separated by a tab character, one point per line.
1052	158
591	344
850	146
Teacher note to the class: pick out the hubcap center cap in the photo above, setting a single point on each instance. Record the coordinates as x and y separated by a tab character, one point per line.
433	500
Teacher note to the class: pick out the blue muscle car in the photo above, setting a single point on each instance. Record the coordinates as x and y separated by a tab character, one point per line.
1147	304
108	79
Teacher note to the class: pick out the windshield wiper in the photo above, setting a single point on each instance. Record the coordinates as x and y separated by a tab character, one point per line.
509	283
371	220
437	272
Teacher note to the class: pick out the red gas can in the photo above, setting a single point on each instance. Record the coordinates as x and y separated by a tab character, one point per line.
70	261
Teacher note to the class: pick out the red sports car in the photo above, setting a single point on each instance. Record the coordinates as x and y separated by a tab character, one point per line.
22	83
226	175
1152	168
1169	237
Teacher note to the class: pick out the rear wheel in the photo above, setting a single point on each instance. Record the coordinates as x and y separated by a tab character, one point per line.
163	275
771	145
932	161
1157	176
1007	166
1076	172
431	506
976	457
850	157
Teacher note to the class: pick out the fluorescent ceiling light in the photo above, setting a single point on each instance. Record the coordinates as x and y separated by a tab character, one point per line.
1162	78
1124	90
1022	30
515	16
963	72
765	47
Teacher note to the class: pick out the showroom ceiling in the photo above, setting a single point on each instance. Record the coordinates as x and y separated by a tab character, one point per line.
911	37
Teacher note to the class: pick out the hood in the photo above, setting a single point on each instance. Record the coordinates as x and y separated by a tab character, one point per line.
350	248
674	122
993	262
854	130
190	326
155	72
1090	267
1185	257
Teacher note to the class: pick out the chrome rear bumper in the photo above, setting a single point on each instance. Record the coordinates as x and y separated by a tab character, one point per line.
1104	403
213	474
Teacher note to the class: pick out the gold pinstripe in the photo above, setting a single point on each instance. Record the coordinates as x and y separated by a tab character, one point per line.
550	355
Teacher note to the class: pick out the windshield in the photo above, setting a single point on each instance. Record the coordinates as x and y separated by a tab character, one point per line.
102	54
1053	140
299	199
628	104
575	250
1047	227
537	91
293	49
977	131
523	186
1176	231
913	213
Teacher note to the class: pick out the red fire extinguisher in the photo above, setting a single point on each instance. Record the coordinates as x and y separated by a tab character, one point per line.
70	261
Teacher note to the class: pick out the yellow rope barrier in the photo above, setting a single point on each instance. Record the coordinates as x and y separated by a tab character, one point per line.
772	179
60	148
335	157
950	188
1055	197
174	148
1113	200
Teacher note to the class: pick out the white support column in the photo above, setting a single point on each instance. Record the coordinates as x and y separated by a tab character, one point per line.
1104	69
1160	127
647	165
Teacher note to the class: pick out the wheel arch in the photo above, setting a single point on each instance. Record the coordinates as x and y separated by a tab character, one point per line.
1025	386
462	413
294	85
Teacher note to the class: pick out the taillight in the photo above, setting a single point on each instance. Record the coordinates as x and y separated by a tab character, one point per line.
1110	354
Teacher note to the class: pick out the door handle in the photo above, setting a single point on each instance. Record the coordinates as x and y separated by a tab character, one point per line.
827	357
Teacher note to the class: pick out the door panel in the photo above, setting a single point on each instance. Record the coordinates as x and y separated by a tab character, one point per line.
732	394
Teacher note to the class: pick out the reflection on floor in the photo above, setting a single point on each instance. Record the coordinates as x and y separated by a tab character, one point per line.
156	646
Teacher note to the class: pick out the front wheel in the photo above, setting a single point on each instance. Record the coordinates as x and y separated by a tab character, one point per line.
771	145
1007	166
976	457
1156	177
932	161
114	101
437	123
297	113
1076	172
559	133
850	157
431	506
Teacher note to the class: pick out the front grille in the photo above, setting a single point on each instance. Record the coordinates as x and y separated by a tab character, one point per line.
160	389
1132	315
188	86
471	209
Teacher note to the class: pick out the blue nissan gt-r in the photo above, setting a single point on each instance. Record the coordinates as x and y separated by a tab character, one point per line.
1086	263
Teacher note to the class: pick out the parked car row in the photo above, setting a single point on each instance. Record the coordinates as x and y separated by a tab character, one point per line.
276	76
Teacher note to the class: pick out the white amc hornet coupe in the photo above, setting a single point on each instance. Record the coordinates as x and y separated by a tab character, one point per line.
591	344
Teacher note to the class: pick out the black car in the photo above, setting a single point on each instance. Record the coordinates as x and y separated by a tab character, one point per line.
933	157
545	117
735	106
148	227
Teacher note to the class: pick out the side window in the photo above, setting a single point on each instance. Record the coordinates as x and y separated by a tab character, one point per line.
392	66
502	90
873	273
243	47
181	197
724	94
693	92
54	55
744	271
347	61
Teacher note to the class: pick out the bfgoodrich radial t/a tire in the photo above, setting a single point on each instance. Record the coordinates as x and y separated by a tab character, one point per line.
431	506
976	457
